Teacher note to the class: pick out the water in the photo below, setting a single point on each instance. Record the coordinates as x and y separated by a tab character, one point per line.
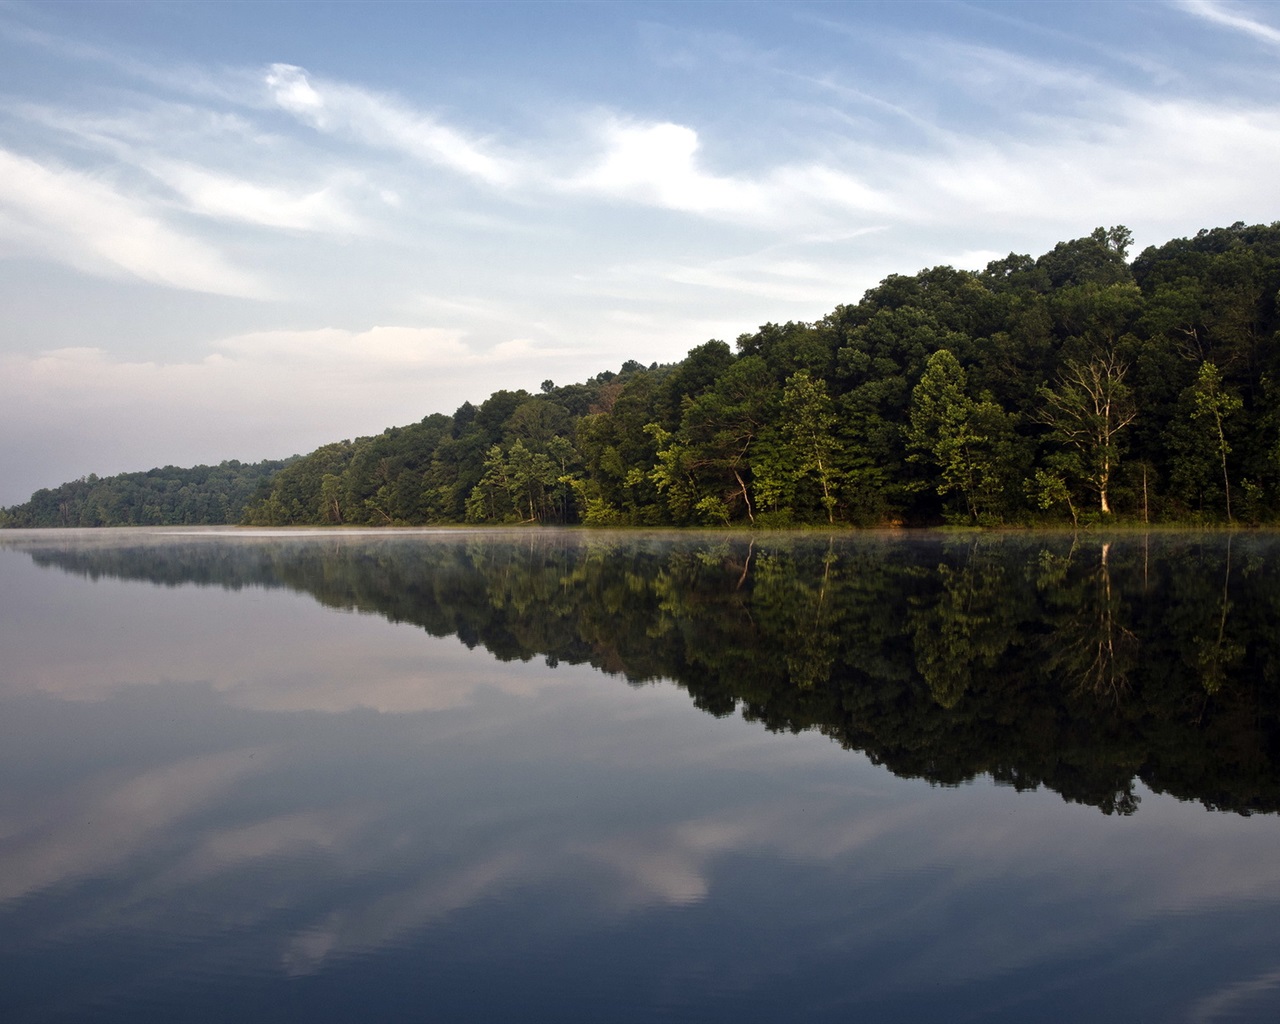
562	776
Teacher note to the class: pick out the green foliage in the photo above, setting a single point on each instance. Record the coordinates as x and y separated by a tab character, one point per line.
968	441
1215	403
199	496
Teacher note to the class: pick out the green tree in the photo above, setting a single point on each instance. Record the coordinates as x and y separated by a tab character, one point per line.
967	441
1214	403
719	427
803	446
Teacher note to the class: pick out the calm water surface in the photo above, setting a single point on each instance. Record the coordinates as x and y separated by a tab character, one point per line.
584	777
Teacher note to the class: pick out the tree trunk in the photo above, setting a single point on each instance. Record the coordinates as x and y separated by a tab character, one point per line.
745	497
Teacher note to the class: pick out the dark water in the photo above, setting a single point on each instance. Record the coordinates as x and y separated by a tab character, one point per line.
568	777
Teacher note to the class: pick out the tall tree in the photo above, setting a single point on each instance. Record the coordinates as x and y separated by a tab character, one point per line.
804	446
1215	402
968	441
720	426
1087	411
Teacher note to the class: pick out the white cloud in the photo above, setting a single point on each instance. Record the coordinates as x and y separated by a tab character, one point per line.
80	220
183	147
791	281
363	353
226	197
372	367
654	163
1134	165
657	165
1220	14
382	122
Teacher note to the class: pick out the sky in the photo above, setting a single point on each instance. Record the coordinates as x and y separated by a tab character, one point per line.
242	230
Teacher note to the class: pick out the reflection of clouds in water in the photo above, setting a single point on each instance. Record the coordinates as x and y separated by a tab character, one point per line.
371	869
226	850
365	927
266	650
1236	1001
897	880
673	864
98	825
496	779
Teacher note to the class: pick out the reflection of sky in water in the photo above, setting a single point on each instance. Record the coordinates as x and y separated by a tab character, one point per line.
243	804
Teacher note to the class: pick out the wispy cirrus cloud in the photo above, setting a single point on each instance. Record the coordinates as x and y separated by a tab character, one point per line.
187	150
367	117
68	216
214	194
1230	17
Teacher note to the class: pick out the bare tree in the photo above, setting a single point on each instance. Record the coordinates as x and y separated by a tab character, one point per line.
1087	410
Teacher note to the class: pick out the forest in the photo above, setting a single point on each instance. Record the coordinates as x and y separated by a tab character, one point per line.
170	496
1076	387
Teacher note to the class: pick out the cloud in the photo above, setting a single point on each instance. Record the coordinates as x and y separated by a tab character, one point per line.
1221	15
100	824
264	394
1133	164
365	353
379	366
226	197
382	122
791	281
148	139
80	220
655	164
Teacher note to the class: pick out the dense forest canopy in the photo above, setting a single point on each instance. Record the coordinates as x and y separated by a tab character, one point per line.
169	496
1071	387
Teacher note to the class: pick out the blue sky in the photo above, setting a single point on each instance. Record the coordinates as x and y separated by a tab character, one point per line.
240	230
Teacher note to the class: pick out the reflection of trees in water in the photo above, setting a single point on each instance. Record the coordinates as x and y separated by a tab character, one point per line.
1217	654
966	624
796	609
1084	665
1091	646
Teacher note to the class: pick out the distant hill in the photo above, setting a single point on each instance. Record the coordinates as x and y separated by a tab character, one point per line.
170	496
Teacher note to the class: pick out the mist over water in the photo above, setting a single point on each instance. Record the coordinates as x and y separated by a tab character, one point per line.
563	776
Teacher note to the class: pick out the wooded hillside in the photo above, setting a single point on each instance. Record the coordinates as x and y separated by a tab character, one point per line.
1064	387
1074	386
201	495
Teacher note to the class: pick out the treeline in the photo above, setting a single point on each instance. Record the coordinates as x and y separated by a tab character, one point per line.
1077	385
1082	665
1071	387
199	496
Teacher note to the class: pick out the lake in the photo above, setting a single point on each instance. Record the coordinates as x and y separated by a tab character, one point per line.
574	776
